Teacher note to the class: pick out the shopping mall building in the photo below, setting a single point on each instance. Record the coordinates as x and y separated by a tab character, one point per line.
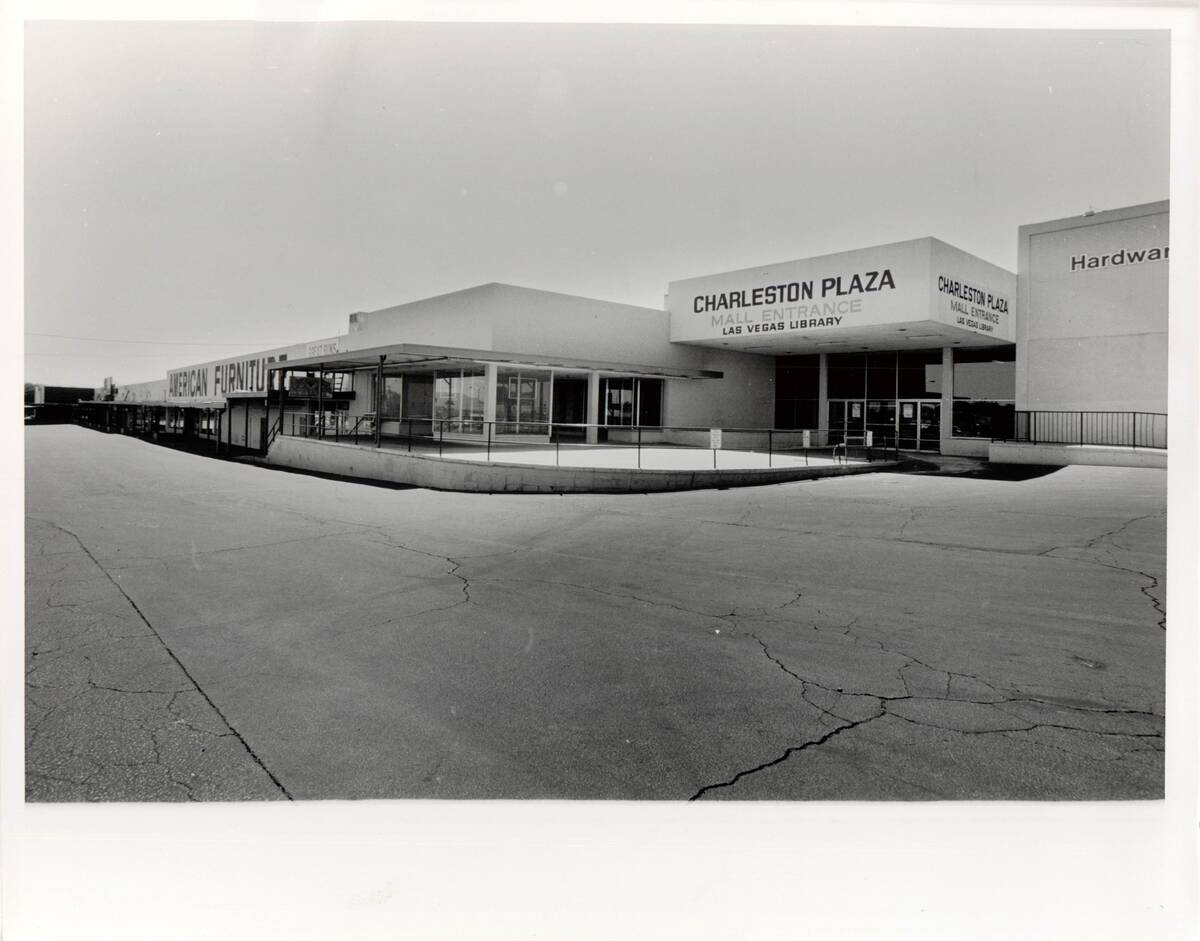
916	346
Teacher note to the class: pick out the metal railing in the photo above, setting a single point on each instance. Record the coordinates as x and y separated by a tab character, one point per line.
562	442
1116	429
273	432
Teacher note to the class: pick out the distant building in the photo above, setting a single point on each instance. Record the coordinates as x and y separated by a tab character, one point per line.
53	404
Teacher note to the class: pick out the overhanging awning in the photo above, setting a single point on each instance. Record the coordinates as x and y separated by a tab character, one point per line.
413	354
167	403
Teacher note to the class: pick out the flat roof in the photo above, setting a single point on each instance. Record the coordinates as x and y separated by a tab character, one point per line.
416	354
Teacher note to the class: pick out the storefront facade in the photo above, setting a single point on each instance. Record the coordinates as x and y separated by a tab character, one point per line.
914	345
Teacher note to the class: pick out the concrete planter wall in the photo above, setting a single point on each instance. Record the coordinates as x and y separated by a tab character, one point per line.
699	438
346	460
1066	454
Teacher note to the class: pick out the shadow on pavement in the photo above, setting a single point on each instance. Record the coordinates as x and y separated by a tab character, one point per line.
978	470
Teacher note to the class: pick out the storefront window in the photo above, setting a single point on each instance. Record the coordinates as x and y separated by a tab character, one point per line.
390	406
980	419
881	375
417	397
625	400
617	401
649	402
522	402
797	391
458	401
847	375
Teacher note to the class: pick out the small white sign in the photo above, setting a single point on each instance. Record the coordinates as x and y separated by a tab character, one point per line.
714	438
807	438
870	438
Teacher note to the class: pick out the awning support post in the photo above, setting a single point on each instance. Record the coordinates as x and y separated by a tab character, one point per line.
320	400
379	403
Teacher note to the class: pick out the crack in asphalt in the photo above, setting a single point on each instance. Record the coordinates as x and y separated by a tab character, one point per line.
793	750
885	702
1144	589
166	647
1108	535
1116	531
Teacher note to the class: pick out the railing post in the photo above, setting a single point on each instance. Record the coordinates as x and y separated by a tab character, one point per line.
441	436
556	443
1135	430
639	447
489	441
770	445
1081	428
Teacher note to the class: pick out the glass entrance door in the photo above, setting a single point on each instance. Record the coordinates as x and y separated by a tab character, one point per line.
919	425
908	427
930	430
910	424
846	420
881	422
569	397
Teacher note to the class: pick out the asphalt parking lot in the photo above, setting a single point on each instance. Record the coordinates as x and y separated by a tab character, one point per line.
207	630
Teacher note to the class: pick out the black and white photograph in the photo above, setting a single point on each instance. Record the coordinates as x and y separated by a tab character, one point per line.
458	416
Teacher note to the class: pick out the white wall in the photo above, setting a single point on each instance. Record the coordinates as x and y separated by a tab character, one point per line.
512	319
1093	339
546	323
463	319
744	398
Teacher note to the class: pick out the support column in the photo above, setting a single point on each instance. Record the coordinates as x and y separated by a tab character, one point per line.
823	401
321	401
490	371
283	374
593	407
379	403
947	416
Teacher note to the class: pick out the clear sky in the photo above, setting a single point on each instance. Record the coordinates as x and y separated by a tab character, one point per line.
196	190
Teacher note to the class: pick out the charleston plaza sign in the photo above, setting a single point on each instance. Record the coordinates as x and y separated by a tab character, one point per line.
921	280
